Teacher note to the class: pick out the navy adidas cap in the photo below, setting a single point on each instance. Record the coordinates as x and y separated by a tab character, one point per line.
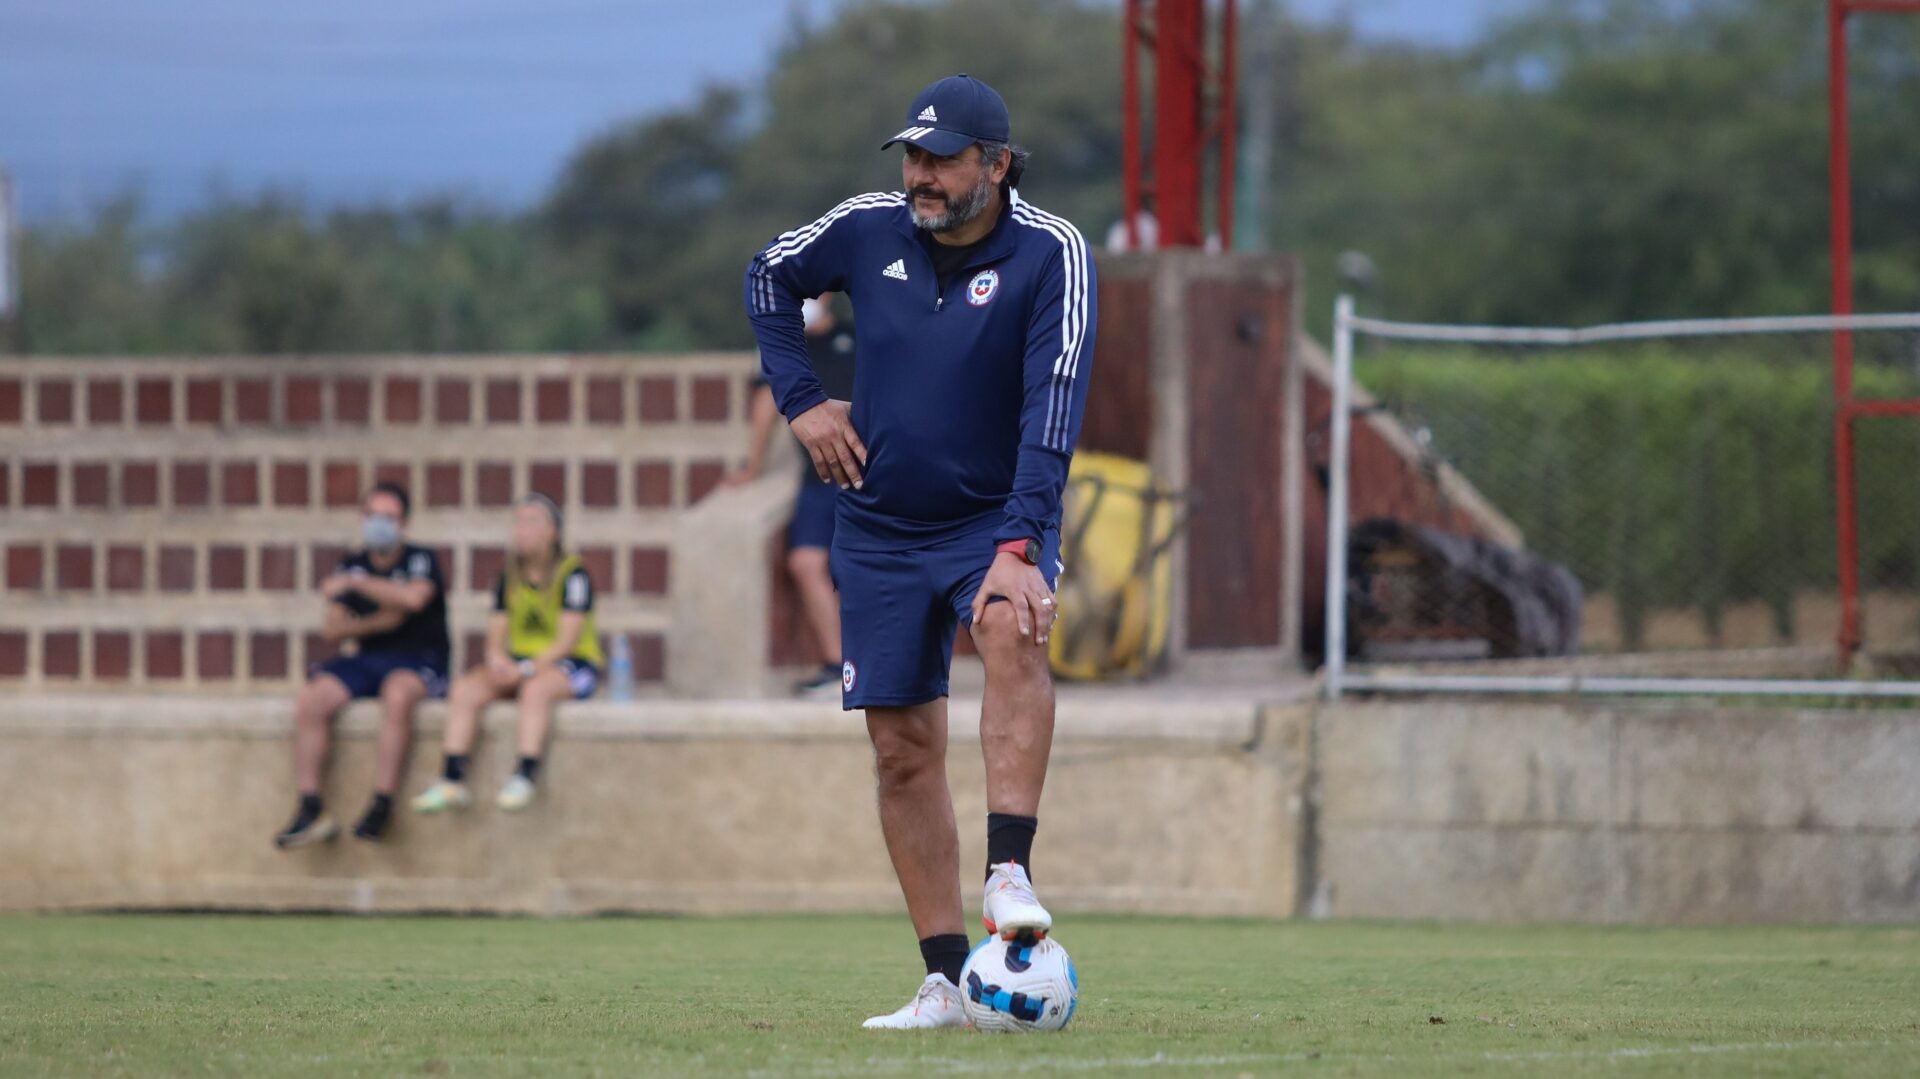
953	114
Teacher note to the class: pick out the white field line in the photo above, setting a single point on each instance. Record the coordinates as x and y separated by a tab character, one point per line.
919	1065
961	1066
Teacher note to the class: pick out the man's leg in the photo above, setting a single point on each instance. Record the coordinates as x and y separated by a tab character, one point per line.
808	565
897	635
313	713
916	815
1016	737
400	692
916	812
1016	713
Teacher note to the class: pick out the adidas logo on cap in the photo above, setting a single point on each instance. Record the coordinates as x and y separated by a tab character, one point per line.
929	115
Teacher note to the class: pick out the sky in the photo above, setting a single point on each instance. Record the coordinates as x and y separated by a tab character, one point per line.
391	100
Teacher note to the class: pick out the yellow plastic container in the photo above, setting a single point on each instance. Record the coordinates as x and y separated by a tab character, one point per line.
1116	594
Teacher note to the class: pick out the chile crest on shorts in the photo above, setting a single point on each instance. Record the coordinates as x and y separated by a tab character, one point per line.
983	288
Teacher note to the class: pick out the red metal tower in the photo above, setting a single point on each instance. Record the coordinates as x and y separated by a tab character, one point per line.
1847	408
1186	74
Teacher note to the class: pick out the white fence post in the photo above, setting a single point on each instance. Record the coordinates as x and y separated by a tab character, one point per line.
1341	421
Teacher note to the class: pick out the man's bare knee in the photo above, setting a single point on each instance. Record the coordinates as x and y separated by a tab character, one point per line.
904	749
315	704
401	694
1001	645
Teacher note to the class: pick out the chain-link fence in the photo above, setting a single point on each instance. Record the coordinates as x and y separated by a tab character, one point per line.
1658	502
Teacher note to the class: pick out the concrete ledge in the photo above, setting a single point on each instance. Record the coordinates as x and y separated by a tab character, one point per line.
659	806
1543	810
1159	800
1224	725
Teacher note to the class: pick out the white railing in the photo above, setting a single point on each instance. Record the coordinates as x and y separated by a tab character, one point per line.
1338	679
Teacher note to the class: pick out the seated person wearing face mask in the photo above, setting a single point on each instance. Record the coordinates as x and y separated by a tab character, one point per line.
389	598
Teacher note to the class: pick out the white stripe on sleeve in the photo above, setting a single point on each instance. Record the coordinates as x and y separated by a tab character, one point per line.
792	243
1073	320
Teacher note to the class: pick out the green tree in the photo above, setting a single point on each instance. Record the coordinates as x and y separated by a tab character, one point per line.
1603	161
1584	161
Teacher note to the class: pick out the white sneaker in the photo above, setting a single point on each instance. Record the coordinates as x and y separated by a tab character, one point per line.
444	796
1010	908
516	793
937	1004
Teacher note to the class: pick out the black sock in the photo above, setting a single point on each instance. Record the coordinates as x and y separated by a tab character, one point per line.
945	953
373	824
455	770
529	767
311	805
1010	839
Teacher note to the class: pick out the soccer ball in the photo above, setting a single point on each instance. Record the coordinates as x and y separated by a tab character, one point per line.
1014	987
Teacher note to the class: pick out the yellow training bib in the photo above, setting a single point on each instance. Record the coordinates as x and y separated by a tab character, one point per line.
533	612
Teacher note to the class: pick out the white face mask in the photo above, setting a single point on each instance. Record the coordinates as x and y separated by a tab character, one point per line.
381	532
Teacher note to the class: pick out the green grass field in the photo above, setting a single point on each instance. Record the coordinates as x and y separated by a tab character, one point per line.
269	996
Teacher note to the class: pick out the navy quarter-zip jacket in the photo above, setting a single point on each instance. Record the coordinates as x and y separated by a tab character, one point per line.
969	399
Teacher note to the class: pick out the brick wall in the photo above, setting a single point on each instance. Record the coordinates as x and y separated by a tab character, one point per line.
163	522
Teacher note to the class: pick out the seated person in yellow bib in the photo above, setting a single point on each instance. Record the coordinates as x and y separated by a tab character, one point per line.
542	648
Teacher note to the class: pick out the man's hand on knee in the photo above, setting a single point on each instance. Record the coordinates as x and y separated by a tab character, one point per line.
1024	589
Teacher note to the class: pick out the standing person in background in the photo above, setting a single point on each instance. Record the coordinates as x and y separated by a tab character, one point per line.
542	648
810	534
1145	225
391	599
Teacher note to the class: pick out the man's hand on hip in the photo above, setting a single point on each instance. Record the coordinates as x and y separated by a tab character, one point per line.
1022	584
827	432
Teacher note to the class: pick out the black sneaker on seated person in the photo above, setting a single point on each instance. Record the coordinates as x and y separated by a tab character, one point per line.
373	823
310	825
826	678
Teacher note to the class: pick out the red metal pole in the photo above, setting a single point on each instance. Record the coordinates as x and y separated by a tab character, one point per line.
1229	122
1178	57
1879	406
1130	133
1840	243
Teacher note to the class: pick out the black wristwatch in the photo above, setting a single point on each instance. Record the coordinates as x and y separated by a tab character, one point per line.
1027	550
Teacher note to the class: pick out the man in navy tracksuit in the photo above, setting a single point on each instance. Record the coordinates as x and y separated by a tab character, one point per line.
976	339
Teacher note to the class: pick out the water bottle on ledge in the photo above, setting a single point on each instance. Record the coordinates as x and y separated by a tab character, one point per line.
620	669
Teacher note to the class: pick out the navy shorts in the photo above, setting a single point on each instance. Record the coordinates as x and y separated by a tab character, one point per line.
813	508
899	610
364	674
583	678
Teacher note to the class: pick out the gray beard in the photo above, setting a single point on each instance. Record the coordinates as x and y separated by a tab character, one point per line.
961	211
